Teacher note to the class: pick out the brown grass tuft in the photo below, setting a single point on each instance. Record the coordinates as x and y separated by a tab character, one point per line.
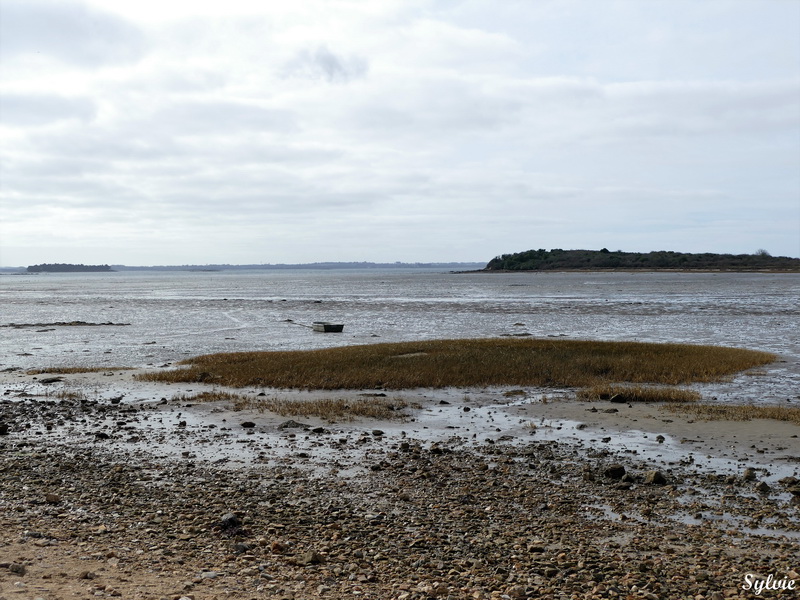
638	393
210	396
71	370
330	409
737	412
465	363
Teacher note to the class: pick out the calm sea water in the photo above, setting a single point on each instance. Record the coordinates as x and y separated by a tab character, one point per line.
169	316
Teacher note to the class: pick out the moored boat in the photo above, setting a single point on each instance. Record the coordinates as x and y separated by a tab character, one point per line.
326	327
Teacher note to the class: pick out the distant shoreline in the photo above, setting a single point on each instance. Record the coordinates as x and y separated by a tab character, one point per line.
326	266
631	270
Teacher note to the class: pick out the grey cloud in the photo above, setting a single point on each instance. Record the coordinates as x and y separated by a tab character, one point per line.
68	31
94	144
321	63
223	118
25	110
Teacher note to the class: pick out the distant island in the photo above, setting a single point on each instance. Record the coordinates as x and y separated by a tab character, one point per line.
598	260
68	268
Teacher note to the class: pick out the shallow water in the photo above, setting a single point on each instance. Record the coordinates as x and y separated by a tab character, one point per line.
169	316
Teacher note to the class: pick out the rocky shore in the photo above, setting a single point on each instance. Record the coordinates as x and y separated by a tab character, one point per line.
132	492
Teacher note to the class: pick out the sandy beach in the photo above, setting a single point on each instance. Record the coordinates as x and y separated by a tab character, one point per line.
113	487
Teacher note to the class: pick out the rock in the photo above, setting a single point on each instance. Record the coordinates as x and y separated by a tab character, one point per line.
47	380
292	424
17	568
4	429
248	424
311	557
52	498
762	487
660	439
377	432
229	521
615	471
655	478
749	474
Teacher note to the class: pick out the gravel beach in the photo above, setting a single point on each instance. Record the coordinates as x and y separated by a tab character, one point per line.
111	487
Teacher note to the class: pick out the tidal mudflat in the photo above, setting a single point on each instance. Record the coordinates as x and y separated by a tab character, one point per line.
117	487
112	486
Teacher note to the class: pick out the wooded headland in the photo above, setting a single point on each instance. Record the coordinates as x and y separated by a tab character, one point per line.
589	260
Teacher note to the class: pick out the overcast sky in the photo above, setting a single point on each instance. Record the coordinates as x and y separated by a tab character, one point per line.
258	131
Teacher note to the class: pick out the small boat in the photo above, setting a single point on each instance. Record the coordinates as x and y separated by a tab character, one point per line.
326	327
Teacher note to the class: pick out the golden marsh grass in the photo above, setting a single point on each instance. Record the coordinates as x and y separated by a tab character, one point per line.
467	363
638	393
737	412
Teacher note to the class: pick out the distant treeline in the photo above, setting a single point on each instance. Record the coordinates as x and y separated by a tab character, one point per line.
66	268
572	260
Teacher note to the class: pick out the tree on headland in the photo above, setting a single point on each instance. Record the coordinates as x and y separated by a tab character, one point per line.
572	260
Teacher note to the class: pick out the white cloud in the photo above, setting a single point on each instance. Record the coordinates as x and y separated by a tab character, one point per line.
67	31
250	131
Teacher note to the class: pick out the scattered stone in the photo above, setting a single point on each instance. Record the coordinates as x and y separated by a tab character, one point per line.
422	517
311	557
292	424
655	478
615	471
229	521
749	474
762	487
